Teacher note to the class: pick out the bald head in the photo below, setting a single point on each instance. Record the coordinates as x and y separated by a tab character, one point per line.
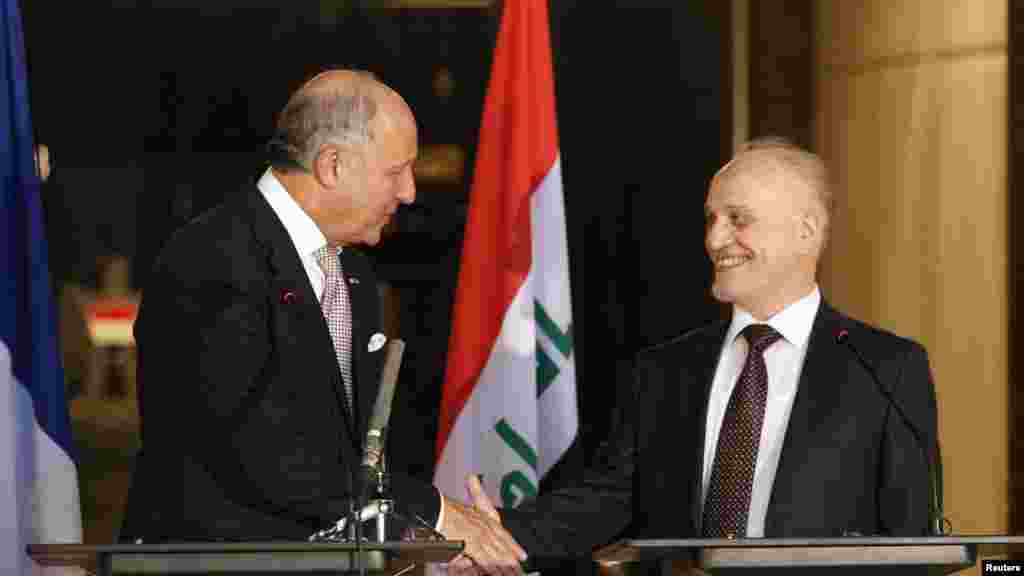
330	82
329	78
800	173
341	107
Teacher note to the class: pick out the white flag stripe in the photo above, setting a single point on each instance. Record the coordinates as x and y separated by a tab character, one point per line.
473	446
507	387
550	247
56	498
38	481
557	413
15	470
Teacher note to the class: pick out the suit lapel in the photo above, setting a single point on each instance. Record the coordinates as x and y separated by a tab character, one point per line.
707	350
816	396
293	298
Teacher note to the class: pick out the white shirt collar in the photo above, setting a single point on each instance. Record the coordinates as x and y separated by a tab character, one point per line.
794	322
305	234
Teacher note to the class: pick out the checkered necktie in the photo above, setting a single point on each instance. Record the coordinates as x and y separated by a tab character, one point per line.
732	477
337	313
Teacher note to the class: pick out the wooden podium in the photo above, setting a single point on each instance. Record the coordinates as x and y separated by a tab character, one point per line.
245	558
847	555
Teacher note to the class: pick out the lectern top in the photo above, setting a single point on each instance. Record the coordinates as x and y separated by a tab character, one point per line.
248	557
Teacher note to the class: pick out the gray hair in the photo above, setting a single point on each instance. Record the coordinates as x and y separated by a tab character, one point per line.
801	164
339	115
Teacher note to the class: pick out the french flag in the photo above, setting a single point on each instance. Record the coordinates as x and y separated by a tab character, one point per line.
39	500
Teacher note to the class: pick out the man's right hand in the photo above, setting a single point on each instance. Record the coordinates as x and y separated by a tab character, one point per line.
490	549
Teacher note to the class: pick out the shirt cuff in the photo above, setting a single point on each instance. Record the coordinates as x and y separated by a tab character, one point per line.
440	513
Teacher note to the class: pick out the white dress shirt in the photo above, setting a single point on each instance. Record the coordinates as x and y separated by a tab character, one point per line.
305	234
784	360
307	239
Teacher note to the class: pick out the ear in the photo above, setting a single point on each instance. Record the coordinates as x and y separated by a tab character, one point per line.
809	231
327	166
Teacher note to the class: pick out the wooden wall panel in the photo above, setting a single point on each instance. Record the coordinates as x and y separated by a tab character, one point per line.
912	116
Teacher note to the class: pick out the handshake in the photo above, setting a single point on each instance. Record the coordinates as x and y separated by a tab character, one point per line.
490	549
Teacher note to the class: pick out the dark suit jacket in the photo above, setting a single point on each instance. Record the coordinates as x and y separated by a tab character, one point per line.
245	431
848	462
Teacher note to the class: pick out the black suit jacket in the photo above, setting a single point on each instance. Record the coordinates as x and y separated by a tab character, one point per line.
848	462
245	430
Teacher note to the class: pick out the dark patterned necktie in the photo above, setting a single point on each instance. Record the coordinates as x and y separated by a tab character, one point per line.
337	313
732	476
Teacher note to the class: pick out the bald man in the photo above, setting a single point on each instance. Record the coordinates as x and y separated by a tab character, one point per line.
799	443
260	339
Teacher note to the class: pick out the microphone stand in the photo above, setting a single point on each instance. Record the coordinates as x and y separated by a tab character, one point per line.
382	499
372	475
355	526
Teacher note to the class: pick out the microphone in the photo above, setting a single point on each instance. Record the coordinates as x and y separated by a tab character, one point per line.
380	504
373	449
936	521
372	462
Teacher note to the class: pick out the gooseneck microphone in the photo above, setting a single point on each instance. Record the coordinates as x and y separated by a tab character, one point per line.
379	504
373	448
936	521
375	498
372	471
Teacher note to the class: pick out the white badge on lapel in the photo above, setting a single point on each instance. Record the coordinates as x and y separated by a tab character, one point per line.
376	342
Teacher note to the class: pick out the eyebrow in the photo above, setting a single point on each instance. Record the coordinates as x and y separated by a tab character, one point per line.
736	207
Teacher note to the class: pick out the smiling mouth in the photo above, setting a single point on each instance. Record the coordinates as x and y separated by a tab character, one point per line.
730	262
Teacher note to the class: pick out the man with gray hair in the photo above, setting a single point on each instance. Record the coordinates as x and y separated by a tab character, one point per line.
260	343
788	420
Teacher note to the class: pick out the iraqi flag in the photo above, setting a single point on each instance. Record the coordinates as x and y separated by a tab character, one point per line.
38	479
508	409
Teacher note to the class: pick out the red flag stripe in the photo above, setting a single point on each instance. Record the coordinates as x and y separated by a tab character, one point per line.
518	147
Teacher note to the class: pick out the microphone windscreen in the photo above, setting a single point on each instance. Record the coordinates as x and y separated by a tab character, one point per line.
388	382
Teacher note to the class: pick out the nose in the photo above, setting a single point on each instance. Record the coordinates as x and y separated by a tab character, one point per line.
717	235
407	191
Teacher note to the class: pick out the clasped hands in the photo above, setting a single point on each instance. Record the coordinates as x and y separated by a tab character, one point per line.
490	549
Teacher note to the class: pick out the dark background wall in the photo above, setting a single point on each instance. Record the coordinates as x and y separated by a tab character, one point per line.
640	101
781	70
